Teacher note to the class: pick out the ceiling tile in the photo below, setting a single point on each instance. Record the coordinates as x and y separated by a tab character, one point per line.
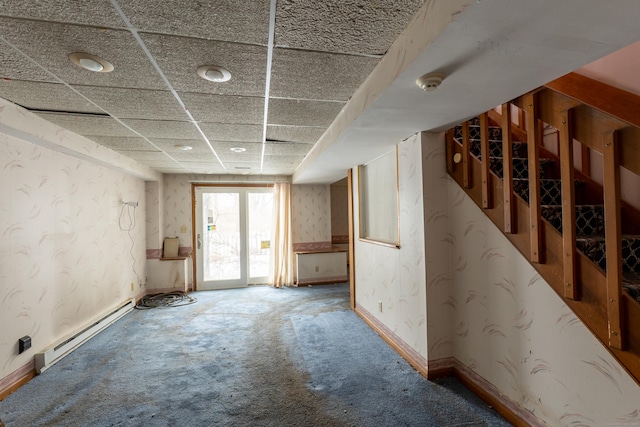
135	103
230	20
240	167
180	57
232	132
307	135
224	148
49	44
119	143
286	148
96	12
164	129
169	145
318	75
283	160
45	96
190	156
145	155
302	113
14	65
89	125
204	167
366	27
224	109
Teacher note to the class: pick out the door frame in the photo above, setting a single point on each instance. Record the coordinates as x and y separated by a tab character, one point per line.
195	185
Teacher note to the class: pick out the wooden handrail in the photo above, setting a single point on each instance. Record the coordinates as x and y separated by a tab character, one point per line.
610	100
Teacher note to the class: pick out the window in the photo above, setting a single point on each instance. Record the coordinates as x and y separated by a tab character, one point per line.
378	200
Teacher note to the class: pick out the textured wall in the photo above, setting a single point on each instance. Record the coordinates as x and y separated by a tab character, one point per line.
513	330
311	214
439	308
340	209
396	277
63	257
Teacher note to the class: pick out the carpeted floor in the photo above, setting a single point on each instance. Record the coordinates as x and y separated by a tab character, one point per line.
245	357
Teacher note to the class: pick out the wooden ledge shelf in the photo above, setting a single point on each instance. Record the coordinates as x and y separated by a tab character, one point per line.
178	258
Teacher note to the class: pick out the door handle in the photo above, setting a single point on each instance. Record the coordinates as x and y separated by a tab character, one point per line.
199	241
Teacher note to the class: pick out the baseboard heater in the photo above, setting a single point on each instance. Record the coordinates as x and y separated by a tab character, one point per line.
47	358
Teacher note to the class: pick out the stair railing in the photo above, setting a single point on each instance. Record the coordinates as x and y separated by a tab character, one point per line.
599	123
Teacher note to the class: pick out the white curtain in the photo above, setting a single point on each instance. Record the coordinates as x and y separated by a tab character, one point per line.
282	254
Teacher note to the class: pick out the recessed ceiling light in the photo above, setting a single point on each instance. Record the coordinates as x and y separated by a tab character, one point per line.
238	149
91	62
184	147
214	73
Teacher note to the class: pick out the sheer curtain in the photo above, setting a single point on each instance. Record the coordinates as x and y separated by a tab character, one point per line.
282	265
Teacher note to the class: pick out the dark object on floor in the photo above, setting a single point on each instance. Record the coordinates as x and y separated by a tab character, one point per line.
167	299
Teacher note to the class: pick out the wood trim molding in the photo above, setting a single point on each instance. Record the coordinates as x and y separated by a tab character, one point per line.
17	379
615	102
510	410
414	358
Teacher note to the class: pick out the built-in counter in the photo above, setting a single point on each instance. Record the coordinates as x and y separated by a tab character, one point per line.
321	266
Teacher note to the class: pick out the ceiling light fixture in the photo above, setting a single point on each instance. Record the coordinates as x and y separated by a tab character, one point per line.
238	149
214	73
91	62
182	147
430	81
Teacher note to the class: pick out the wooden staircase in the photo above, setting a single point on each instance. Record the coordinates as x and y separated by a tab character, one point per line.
582	238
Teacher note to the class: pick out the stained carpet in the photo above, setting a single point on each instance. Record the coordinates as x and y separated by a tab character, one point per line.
244	357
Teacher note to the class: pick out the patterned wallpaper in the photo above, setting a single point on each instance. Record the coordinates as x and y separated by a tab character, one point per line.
435	187
484	304
513	330
63	257
396	277
311	214
177	199
340	209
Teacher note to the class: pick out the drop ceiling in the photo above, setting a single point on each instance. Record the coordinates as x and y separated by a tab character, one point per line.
283	94
317	86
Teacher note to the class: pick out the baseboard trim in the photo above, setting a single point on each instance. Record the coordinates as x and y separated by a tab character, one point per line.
510	410
17	379
414	358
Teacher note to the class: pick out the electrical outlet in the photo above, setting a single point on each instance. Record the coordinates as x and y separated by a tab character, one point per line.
132	285
183	229
317	268
380	306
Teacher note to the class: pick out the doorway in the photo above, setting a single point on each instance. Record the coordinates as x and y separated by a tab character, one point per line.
233	232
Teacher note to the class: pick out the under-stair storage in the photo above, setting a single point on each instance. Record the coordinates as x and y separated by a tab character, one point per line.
595	264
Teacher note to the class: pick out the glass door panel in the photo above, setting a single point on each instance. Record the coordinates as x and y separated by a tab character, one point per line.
260	216
221	236
233	236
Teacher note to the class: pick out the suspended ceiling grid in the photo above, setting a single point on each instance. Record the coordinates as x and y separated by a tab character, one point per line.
322	52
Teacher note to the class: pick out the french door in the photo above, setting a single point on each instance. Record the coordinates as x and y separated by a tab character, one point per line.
233	236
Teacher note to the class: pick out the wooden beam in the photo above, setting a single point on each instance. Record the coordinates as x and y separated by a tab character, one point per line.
568	206
485	161
613	237
466	152
507	171
610	100
533	143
